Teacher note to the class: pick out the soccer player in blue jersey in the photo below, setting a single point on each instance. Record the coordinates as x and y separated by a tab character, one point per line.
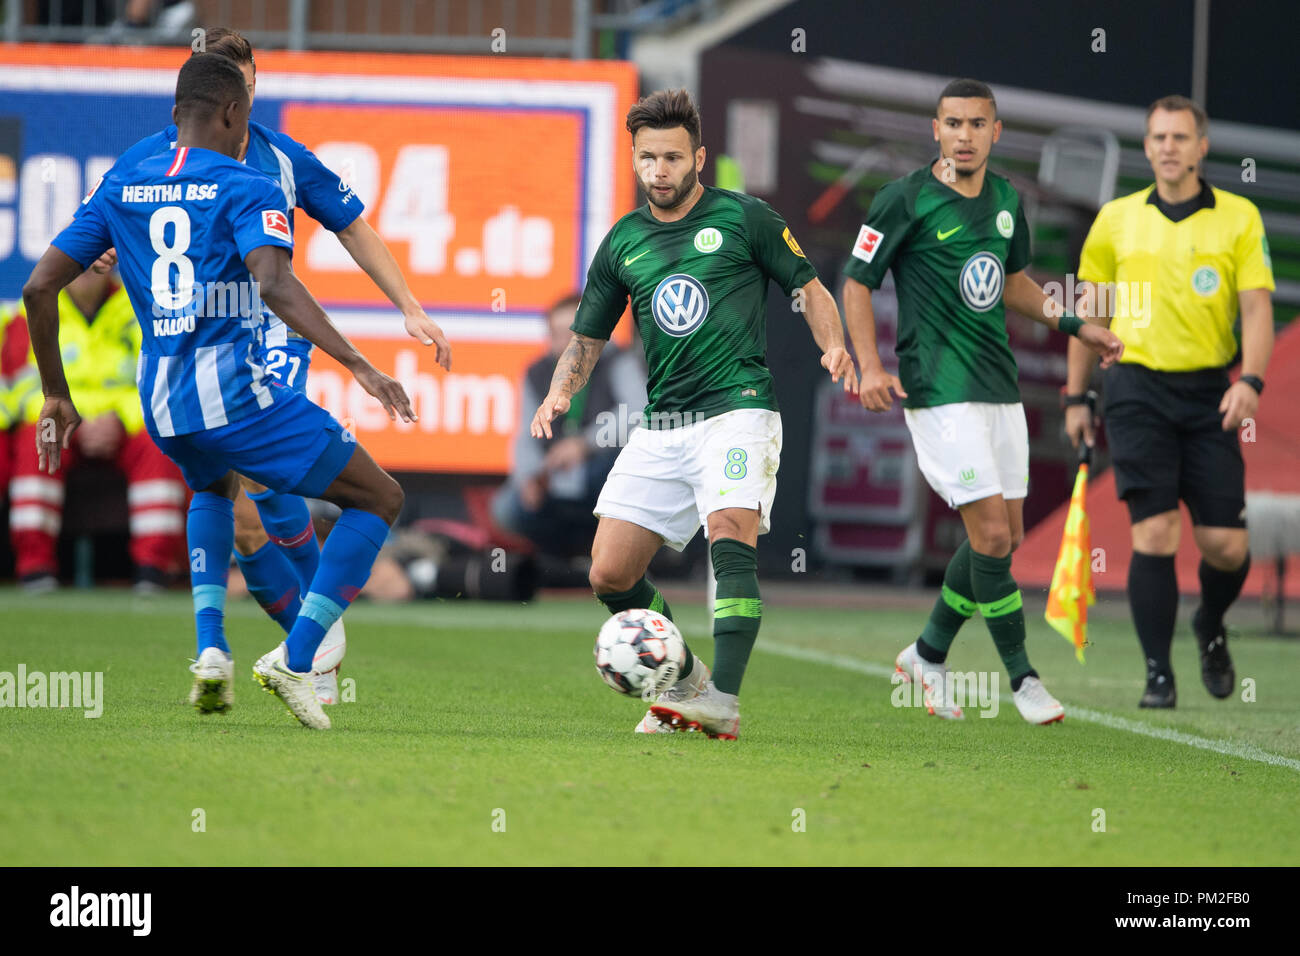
190	226
275	545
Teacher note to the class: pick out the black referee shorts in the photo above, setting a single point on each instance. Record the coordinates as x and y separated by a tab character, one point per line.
1167	441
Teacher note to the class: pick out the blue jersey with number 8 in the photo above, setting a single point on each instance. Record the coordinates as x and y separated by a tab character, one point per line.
182	223
307	183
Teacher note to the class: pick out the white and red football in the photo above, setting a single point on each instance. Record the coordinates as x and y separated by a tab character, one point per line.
639	650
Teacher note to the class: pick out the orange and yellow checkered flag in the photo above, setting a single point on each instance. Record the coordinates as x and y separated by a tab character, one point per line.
1072	592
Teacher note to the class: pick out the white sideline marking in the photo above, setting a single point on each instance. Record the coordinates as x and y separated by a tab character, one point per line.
1073	712
1244	751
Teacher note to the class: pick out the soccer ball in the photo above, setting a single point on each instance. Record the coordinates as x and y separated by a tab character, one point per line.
639	653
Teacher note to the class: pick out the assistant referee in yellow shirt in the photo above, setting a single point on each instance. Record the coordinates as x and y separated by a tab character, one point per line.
1168	267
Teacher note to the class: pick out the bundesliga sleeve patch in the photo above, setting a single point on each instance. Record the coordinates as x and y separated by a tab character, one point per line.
275	224
93	189
867	244
790	241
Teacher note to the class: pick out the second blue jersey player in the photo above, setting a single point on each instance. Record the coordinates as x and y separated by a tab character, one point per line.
275	545
191	227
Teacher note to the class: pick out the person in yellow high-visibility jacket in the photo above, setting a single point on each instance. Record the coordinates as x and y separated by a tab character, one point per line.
99	339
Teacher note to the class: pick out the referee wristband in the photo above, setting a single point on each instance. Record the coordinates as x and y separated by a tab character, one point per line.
1255	382
1070	324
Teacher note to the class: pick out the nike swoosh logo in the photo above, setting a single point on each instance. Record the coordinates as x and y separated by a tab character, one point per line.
944	235
1001	606
628	262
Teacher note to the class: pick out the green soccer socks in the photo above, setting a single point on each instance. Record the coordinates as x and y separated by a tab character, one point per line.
954	607
999	602
737	611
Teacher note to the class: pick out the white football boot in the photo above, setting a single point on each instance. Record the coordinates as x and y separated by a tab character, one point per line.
710	711
325	665
293	689
936	689
214	682
1035	704
683	690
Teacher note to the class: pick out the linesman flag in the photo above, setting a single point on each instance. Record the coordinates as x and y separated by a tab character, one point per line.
1072	592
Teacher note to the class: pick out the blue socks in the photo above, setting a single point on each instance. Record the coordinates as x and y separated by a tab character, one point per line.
345	563
340	571
272	583
210	532
288	524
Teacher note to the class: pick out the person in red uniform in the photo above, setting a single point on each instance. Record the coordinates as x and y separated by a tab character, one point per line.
17	381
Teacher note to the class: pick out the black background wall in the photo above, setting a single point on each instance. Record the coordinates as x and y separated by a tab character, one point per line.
1047	46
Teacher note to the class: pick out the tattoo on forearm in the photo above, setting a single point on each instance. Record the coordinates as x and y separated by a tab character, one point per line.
575	365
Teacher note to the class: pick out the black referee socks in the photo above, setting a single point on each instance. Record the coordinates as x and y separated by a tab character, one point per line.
1218	590
1153	599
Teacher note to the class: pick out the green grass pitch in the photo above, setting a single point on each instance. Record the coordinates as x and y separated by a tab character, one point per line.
480	734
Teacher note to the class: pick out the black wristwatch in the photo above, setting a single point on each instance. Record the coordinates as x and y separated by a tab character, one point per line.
1068	401
1255	382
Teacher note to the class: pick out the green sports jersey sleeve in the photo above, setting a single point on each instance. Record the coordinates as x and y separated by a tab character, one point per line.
881	236
775	249
1019	251
603	299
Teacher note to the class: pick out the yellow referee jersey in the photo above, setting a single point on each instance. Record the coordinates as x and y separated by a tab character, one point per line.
1175	283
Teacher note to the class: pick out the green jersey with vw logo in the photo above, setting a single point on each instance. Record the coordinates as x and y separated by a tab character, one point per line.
699	297
951	256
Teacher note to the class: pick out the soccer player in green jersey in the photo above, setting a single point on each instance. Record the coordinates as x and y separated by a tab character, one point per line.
695	261
956	238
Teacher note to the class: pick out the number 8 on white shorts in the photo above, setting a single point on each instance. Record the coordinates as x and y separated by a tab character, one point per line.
670	480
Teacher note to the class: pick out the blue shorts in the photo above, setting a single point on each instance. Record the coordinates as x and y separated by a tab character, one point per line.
287	363
293	446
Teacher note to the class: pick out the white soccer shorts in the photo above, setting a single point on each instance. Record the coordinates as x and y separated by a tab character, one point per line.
972	450
670	480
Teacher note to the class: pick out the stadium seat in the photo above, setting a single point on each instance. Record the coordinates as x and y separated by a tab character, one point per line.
1080	164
